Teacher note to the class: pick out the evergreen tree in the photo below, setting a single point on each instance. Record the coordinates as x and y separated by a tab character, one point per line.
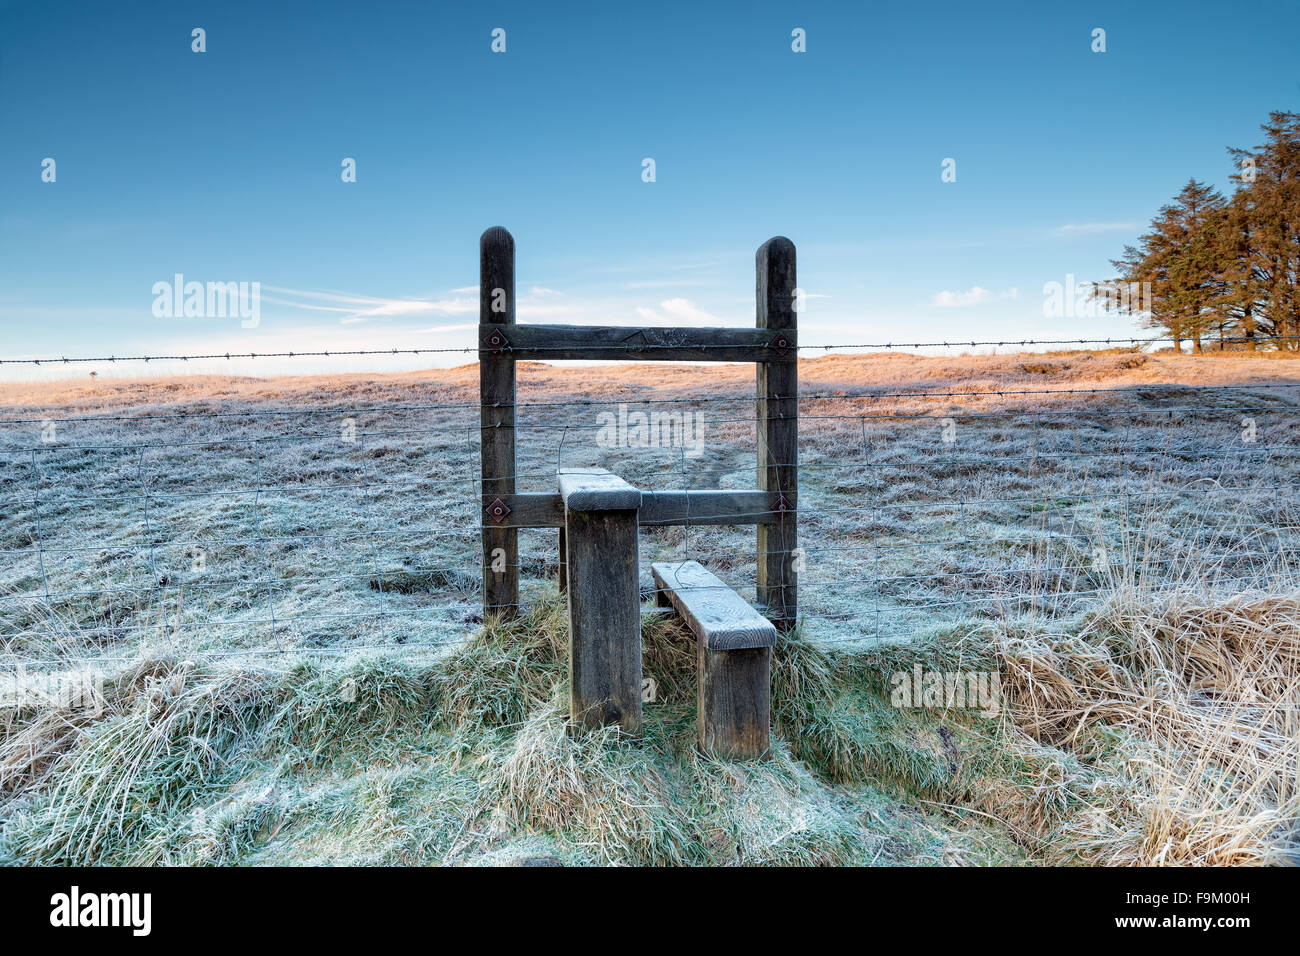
1269	184
1191	229
1177	261
1236	290
1225	268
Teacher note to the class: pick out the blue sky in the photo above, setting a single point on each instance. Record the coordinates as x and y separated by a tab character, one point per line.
225	165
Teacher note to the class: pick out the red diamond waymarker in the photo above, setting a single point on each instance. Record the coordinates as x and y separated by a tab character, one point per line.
498	510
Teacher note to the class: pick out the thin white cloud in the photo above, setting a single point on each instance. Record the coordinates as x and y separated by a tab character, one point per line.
958	300
361	308
676	310
303	305
1094	228
462	327
685	309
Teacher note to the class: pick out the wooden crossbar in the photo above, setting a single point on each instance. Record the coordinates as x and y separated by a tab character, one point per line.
647	344
658	508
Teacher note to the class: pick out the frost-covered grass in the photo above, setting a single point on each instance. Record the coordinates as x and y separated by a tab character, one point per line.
287	621
458	757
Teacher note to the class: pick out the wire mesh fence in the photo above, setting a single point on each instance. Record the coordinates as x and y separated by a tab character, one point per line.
264	528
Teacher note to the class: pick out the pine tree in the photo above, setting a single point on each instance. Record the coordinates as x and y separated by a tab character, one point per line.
1269	187
1177	261
1231	268
1236	291
1192	235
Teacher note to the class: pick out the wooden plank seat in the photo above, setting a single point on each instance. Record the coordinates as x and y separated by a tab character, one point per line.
733	653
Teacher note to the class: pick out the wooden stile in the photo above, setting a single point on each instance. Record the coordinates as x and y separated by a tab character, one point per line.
598	515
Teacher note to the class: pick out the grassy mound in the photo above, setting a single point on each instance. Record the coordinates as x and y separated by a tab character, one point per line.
1145	735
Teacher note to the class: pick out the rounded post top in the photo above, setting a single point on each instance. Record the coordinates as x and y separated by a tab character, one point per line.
777	246
496	236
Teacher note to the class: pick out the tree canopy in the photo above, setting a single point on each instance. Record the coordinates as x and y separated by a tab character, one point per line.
1223	269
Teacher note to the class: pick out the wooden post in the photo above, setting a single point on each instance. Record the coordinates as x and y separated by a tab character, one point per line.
496	307
604	600
734	703
778	434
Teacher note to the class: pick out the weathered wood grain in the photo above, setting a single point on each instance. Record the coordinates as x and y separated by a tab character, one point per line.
497	422
604	619
718	616
595	489
653	343
658	508
778	433
734	689
562	575
706	507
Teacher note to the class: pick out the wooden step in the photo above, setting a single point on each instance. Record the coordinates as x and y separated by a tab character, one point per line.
733	659
719	617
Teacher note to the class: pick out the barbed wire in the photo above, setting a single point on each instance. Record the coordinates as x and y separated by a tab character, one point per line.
1109	341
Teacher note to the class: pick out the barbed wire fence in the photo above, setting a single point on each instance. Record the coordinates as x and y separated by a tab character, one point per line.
1135	342
276	532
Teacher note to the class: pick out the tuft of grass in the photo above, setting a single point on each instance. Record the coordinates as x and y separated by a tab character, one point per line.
596	788
1190	703
508	669
776	812
173	736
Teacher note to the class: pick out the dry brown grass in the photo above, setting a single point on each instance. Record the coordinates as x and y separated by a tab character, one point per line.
539	381
1203	694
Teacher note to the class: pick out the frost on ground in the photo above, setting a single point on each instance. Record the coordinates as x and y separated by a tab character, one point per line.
277	582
